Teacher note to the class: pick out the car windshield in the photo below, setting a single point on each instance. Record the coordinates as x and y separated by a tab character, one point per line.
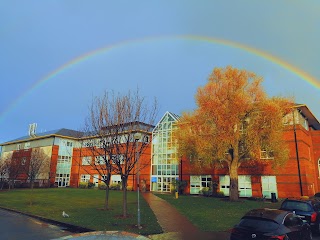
259	224
293	205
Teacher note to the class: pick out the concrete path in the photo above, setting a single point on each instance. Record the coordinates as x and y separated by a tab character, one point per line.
175	225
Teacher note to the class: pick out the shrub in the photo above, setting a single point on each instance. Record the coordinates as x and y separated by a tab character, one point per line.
206	191
179	185
91	185
317	194
102	186
219	194
129	188
83	185
115	186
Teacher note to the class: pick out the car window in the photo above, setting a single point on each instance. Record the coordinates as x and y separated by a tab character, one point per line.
258	224
293	205
316	206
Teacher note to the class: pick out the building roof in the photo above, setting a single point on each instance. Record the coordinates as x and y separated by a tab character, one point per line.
59	132
173	116
313	122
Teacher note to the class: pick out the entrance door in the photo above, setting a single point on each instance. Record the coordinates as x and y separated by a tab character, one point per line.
163	184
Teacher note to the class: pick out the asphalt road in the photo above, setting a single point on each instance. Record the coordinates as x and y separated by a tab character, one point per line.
17	226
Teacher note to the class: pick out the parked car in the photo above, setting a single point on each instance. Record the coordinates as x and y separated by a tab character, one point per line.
271	224
306	209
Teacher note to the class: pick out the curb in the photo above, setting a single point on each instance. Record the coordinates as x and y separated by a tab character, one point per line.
66	226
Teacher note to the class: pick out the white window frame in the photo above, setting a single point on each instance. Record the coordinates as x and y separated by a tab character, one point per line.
244	186
27	145
86	160
117	157
18	146
99	160
195	184
85	178
224	182
269	185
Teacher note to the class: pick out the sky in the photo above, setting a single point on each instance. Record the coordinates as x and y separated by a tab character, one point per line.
55	56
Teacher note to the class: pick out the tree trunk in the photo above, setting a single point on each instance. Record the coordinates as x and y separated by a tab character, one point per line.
233	169
106	201
124	197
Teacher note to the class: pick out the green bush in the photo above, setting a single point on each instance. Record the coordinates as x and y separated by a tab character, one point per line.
129	188
219	194
206	191
115	186
102	186
83	185
179	185
91	185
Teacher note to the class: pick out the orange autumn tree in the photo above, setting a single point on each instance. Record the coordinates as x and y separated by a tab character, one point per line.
234	120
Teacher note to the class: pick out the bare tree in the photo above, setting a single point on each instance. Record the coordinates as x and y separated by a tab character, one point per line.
4	170
36	165
114	120
96	144
15	169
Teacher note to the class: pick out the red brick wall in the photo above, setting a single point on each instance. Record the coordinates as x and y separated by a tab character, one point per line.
288	183
77	169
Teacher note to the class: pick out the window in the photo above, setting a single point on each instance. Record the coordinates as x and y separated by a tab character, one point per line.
62	180
88	143
85	178
27	145
225	184
118	159
199	182
64	159
259	224
23	161
69	144
99	160
269	185
264	154
244	185
18	146
86	160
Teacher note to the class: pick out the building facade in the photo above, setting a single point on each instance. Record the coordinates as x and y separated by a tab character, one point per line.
299	176
71	162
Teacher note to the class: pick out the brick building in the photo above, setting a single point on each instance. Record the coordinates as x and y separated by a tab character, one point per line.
299	176
161	164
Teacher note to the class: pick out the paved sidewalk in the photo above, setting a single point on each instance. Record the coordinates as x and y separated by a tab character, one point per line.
175	225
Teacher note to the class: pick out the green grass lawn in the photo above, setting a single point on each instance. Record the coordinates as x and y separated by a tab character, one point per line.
85	207
214	214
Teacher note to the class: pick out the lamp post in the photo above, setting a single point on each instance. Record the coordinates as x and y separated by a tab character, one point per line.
137	137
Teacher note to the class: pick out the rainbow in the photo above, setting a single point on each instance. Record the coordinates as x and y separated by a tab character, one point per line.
63	68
